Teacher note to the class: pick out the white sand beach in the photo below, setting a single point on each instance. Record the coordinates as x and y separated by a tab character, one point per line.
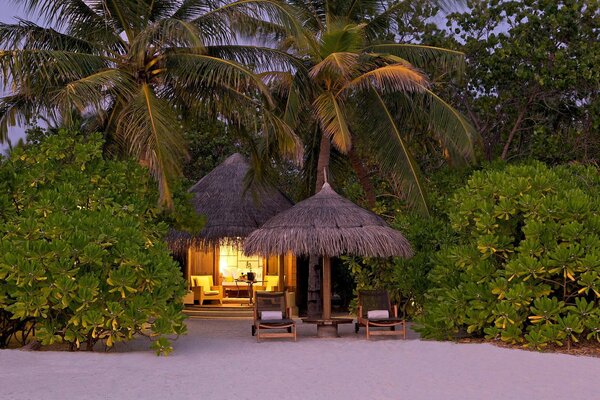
221	360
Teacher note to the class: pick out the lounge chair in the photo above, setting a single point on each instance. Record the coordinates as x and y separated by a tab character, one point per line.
271	312
376	311
203	288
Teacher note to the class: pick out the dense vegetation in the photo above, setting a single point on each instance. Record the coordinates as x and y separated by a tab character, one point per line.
532	81
527	265
82	257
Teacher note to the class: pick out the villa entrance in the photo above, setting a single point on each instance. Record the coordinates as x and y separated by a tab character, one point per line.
236	276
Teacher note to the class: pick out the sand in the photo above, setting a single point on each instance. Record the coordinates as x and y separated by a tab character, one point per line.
221	360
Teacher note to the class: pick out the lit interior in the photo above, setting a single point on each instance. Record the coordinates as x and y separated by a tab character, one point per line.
233	264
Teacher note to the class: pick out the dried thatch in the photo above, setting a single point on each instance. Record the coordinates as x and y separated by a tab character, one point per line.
327	224
232	213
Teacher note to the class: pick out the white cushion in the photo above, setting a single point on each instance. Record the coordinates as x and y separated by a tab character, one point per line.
378	314
271	315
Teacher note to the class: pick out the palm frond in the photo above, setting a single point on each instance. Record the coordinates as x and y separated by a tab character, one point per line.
168	33
17	109
190	9
391	150
258	58
423	56
291	93
237	108
294	104
333	121
388	17
336	66
288	143
382	21
450	127
159	9
61	13
341	37
250	12
399	77
315	12
47	67
150	129
250	28
199	70
95	90
28	35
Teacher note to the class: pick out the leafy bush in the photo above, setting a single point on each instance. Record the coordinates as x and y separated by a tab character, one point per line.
81	249
528	263
407	280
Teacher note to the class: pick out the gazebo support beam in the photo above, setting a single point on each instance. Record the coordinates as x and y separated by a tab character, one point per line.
326	288
281	272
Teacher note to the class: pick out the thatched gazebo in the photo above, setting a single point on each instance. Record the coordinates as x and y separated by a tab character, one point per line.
232	212
327	225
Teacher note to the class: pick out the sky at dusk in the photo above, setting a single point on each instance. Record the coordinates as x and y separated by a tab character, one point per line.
8	12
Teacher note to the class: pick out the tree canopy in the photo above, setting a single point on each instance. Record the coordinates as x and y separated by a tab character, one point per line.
135	68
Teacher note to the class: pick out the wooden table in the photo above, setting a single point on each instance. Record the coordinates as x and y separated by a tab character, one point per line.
242	285
327	327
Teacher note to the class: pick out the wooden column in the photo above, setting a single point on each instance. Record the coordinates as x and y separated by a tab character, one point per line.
188	271
280	273
326	288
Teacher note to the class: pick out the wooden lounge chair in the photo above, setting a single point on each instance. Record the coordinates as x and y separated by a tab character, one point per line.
203	288
373	305
271	312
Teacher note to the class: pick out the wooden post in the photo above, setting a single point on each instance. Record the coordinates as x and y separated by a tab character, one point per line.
280	273
189	268
326	288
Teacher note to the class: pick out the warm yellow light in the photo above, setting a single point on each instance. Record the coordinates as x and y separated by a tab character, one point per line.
233	263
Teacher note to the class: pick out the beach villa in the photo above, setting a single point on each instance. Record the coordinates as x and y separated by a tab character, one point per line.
217	271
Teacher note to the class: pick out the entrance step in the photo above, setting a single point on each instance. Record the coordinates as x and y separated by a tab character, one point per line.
225	311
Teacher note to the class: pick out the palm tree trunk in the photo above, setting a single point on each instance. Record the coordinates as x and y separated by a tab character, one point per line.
363	177
314	269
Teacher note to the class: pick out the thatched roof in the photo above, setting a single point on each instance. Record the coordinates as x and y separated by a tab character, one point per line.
231	212
327	224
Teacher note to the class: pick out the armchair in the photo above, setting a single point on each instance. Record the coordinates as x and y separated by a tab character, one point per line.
203	288
269	284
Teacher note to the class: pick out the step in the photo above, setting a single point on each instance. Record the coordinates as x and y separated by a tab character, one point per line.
225	311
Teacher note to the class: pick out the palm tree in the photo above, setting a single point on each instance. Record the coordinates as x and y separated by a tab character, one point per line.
362	90
357	88
138	67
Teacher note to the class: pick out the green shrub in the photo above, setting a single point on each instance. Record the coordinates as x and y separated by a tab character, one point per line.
407	280
528	263
81	249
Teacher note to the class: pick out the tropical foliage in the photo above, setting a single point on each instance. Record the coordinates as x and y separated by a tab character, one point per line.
527	267
82	255
362	90
407	280
532	79
135	68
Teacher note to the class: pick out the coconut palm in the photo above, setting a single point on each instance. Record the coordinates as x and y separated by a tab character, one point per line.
361	89
137	67
356	88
